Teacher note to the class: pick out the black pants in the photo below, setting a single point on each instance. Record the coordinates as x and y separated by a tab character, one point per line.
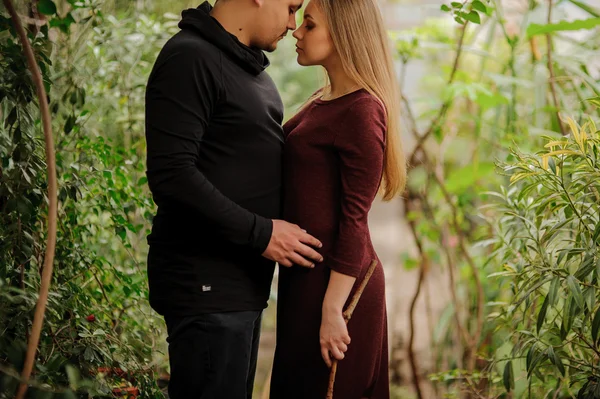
213	356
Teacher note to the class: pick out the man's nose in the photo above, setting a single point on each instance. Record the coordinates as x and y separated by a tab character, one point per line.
292	23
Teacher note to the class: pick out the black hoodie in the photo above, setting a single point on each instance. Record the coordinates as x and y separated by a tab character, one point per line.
214	147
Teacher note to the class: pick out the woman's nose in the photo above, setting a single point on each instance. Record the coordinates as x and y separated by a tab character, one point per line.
296	34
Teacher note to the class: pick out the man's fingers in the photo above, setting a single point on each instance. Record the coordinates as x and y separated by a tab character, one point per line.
310	240
300	261
343	347
285	263
346	339
309	253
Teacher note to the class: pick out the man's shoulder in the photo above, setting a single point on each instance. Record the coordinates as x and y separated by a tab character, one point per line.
191	45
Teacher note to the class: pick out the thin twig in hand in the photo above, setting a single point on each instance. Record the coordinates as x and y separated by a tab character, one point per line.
347	316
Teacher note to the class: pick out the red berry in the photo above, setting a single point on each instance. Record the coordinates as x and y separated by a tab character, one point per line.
91	318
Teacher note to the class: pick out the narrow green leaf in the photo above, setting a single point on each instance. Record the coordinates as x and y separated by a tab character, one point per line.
537	29
552	165
565	327
596	235
509	377
596	325
69	124
542	314
575	289
590	298
47	7
445	8
587	267
553	291
556	360
587	8
536	357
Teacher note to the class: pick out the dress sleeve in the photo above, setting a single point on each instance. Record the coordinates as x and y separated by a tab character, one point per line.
360	144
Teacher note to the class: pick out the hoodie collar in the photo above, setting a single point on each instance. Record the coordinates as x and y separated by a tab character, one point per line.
199	20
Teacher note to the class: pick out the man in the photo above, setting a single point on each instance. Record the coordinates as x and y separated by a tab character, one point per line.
214	142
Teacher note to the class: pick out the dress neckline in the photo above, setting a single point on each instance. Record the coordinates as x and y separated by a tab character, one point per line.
340	98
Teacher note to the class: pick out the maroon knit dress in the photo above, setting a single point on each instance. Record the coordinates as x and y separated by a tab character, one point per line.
333	162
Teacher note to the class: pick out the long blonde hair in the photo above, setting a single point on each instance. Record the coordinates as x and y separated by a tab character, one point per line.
360	39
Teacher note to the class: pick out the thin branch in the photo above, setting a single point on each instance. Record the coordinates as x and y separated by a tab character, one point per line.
419	146
40	308
422	272
480	294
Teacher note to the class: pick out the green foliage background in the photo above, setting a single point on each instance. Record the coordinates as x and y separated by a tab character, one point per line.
498	198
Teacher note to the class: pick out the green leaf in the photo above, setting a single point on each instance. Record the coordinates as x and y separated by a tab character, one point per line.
596	236
587	8
88	354
556	360
565	327
537	29
587	267
479	6
590	298
12	117
553	291
73	375
534	356
121	232
69	124
573	285
456	4
472	16
509	377
47	7
445	8
596	325
542	314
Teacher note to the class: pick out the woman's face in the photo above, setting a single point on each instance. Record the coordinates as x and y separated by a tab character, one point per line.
314	45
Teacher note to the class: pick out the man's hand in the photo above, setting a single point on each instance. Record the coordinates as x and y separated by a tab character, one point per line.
291	245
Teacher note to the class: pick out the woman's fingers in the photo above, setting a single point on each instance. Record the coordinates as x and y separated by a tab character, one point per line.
338	354
346	339
325	354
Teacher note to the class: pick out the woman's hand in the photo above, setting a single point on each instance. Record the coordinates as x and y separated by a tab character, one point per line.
334	336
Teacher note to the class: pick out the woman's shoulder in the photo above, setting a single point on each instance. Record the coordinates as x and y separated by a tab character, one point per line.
364	101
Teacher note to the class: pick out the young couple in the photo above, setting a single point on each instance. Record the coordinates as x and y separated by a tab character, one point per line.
237	192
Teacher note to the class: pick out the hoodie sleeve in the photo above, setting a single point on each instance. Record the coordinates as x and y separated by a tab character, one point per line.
181	96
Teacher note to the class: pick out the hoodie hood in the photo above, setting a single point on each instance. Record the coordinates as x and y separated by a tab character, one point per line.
200	21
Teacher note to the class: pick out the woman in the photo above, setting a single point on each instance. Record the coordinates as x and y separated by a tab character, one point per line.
341	149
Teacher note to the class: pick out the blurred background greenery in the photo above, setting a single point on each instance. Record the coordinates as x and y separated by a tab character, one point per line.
492	255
